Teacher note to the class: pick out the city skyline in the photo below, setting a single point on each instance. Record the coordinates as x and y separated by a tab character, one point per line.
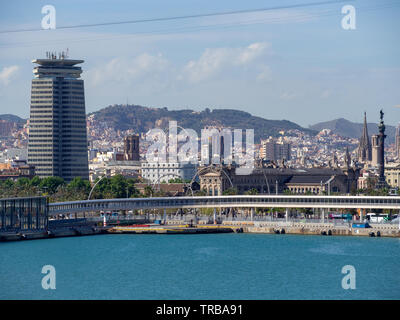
184	150
314	71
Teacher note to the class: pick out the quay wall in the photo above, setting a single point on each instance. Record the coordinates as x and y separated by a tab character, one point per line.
315	228
383	230
56	233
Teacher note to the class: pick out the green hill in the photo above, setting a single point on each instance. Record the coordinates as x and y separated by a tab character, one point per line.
350	129
141	119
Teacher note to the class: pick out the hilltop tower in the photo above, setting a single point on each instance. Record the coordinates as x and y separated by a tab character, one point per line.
57	143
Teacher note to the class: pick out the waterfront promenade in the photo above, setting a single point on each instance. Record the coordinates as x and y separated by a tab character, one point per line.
252	214
201	224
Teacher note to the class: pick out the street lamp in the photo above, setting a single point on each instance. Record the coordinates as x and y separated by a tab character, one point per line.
90	193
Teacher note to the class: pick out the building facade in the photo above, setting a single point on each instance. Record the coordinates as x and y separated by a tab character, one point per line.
23	214
214	180
163	172
274	150
57	135
392	174
16	169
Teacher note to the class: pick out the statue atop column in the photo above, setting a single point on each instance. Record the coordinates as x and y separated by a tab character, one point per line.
381	154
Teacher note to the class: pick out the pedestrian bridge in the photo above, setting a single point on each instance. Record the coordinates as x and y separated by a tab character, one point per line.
256	201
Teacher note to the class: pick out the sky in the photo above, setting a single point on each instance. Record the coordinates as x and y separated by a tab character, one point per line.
296	63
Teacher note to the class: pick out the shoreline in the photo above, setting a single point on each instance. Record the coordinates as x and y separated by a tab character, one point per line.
321	229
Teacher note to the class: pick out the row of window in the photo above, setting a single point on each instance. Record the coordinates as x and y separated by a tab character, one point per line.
159	165
42	101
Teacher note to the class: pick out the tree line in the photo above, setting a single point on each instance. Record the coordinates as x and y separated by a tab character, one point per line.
78	189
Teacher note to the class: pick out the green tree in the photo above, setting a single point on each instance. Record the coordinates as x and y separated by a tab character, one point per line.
35	181
252	191
176	180
148	191
230	192
50	184
78	184
200	193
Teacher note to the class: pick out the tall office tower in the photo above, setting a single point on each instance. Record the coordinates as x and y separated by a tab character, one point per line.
57	135
131	148
398	141
364	148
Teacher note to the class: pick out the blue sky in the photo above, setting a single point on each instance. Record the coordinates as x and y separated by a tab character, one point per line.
297	64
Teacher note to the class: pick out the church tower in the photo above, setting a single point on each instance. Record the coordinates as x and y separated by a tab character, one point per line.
364	147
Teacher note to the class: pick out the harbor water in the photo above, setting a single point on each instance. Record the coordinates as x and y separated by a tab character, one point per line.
210	266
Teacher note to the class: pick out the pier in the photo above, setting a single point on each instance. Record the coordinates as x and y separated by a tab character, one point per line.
176	229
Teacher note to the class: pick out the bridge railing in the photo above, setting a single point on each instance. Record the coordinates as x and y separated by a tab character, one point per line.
261	201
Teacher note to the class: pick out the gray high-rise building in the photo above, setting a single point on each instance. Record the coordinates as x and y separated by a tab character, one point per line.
57	132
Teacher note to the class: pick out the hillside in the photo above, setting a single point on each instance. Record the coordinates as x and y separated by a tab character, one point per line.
12	118
142	119
350	129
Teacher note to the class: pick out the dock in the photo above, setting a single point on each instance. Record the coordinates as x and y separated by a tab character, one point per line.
324	229
174	229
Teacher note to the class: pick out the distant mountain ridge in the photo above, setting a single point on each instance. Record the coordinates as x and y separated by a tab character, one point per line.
346	128
12	118
142	119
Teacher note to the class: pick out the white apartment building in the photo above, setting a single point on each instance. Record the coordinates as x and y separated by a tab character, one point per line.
163	172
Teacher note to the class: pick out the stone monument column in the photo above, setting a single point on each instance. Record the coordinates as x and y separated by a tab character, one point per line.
381	154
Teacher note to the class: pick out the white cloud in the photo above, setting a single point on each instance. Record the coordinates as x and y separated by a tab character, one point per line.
215	60
264	74
7	73
288	95
127	69
326	93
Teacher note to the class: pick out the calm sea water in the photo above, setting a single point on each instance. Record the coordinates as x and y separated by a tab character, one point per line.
215	266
